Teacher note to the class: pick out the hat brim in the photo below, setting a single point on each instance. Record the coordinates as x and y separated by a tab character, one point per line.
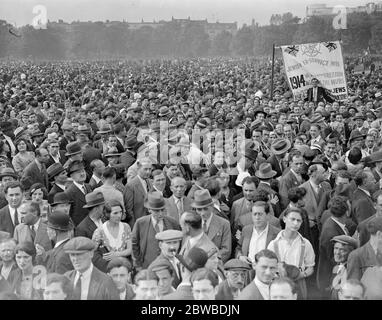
93	204
269	176
9	175
196	206
284	150
61	202
70	226
72	153
56	174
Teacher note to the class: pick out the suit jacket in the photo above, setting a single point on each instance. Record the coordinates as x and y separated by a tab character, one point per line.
359	260
172	209
62	159
36	175
77	212
177	279
326	262
55	189
363	234
287	182
275	165
23	233
276	208
250	292
56	260
6	223
94	184
15	279
362	206
204	243
86	228
246	236
224	291
311	202
219	232
141	240
322	95
134	198
181	293
101	286
90	154
127	159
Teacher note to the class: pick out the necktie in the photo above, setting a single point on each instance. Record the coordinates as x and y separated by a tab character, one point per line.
205	226
84	189
156	227
179	205
16	218
78	289
33	232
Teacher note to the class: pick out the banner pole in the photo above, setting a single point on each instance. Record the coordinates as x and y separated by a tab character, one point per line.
273	69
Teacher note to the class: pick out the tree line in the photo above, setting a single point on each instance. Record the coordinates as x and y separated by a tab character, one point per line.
103	40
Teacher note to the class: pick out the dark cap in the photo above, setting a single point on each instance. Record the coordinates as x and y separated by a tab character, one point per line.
195	259
346	240
54	170
79	245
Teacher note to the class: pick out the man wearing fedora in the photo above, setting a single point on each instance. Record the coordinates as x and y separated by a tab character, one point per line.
73	153
216	228
129	156
36	170
58	175
77	191
136	191
169	243
87	281
265	175
60	230
195	259
145	244
279	149
94	203
61	201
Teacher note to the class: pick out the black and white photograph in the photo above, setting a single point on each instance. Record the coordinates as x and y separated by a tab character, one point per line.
184	150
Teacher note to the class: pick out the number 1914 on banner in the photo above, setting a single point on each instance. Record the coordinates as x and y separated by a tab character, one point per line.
297	81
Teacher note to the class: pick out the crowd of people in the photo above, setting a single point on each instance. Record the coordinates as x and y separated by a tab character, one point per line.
187	179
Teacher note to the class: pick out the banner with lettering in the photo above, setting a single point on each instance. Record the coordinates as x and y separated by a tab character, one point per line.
322	60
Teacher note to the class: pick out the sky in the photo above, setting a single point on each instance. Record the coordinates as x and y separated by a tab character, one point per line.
20	12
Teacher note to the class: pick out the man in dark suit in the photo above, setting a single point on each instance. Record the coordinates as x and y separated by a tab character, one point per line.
119	269
58	175
292	178
145	245
55	154
266	266
36	170
333	226
279	148
136	191
77	191
169	244
9	216
95	204
362	206
363	233
129	156
59	228
87	281
216	228
318	94
235	271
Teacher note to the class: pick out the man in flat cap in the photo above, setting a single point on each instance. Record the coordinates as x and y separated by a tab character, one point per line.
169	243
165	273
343	245
87	281
236	272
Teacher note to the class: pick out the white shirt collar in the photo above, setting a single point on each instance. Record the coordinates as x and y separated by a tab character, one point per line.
79	186
367	192
37	224
263	288
96	179
342	225
60	242
87	273
61	186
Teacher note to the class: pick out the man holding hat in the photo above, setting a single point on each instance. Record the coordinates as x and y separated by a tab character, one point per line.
169	243
58	175
343	245
144	241
87	281
216	228
196	258
236	272
95	203
77	191
59	229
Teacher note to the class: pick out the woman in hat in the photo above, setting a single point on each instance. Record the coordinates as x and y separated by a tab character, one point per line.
24	281
22	157
39	195
114	236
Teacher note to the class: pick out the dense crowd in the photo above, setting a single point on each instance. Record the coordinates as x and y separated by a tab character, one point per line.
187	179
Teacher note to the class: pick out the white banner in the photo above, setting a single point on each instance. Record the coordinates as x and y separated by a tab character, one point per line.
322	60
